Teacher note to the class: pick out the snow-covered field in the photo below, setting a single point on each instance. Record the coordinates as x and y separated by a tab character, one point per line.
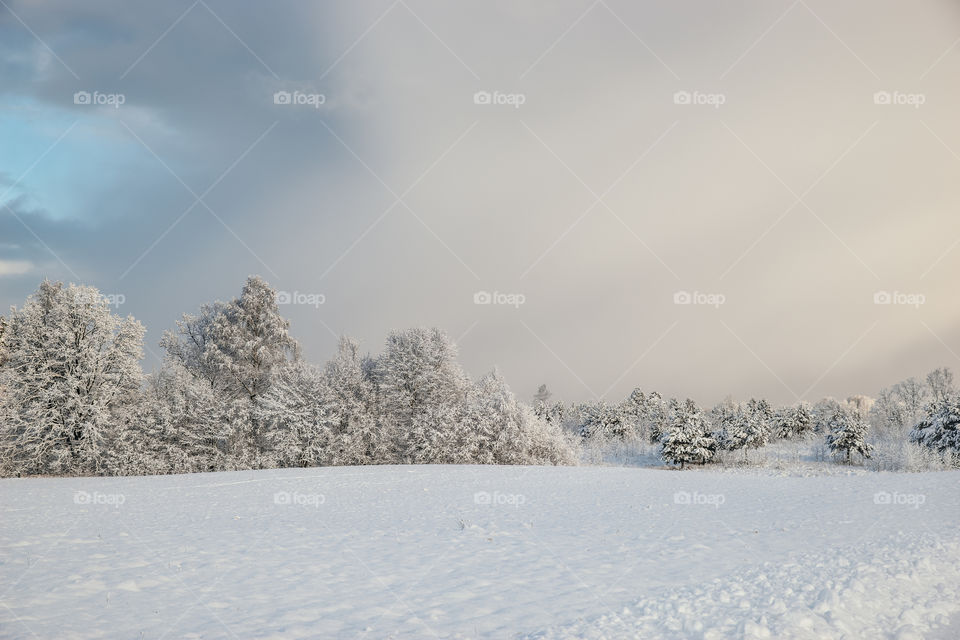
466	552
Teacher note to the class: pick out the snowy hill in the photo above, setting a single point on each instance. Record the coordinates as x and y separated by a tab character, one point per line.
468	552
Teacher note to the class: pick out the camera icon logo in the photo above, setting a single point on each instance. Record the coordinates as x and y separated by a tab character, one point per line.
682	497
281	497
482	97
882	297
482	497
281	97
682	97
682	297
284	297
882	97
882	497
81	97
482	297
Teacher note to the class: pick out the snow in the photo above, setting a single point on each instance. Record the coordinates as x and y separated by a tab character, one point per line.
467	552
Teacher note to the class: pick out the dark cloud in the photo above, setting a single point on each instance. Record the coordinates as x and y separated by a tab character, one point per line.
797	199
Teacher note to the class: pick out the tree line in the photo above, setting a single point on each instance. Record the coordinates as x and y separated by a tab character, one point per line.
915	413
234	393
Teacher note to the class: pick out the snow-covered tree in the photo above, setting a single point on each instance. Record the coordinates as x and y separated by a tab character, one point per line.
848	434
792	422
179	425
357	436
656	414
71	367
742	427
602	421
687	439
417	379
542	396
497	429
554	414
823	412
940	383
914	395
633	413
3	349
235	346
296	418
860	405
940	428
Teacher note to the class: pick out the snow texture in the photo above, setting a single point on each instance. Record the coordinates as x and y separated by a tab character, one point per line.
481	551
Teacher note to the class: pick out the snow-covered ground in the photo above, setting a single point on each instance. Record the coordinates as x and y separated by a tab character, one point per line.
465	552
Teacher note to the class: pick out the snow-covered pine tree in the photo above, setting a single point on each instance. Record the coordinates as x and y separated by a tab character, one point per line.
745	427
633	412
823	412
940	428
656	414
792	422
554	414
72	365
602	421
848	434
687	439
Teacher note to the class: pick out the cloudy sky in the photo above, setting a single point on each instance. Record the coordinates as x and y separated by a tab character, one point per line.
780	166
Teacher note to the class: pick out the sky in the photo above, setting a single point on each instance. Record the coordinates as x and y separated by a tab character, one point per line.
744	198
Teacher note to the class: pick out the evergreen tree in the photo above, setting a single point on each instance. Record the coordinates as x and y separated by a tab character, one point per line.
603	421
847	434
686	440
940	428
792	422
